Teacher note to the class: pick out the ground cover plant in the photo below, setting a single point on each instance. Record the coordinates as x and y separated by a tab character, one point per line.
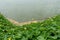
48	29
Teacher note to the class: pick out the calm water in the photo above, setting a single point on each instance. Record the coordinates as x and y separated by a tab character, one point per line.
25	10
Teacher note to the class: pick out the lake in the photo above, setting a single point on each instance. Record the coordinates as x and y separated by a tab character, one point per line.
26	10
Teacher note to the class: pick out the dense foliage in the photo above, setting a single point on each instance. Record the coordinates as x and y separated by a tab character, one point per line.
45	30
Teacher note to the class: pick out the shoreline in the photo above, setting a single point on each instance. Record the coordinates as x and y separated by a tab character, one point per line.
22	23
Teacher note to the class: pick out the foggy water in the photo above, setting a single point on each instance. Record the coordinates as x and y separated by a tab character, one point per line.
25	10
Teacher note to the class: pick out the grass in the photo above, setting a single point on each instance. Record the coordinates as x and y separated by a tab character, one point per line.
48	29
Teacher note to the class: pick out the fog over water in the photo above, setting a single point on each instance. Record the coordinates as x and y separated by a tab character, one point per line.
25	10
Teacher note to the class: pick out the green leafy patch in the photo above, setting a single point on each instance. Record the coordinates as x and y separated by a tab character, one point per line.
49	29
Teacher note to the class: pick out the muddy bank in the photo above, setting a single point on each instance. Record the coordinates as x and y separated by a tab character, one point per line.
21	23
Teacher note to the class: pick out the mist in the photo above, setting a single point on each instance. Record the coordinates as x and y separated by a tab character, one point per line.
25	10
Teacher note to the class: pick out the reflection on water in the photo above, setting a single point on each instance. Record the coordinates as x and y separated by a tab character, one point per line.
25	10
